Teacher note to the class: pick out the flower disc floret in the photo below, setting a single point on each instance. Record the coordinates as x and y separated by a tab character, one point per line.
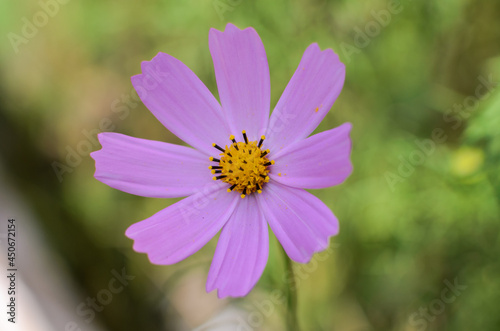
243	165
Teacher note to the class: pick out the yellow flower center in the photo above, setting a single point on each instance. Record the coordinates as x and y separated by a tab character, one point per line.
243	165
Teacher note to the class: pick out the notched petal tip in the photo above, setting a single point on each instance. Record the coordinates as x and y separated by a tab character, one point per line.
130	231
306	258
314	47
103	138
135	229
231	28
136	79
142	248
223	293
158	57
328	54
154	71
95	154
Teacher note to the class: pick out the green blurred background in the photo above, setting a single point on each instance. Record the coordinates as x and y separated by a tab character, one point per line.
417	214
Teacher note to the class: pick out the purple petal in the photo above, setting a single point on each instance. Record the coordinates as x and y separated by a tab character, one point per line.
243	81
301	222
181	102
308	97
242	251
150	168
180	230
319	161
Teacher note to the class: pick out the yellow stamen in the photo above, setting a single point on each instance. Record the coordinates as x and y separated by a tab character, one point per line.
243	165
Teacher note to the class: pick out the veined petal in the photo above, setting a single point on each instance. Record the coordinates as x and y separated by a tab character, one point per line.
242	74
150	168
242	251
300	221
181	102
181	229
320	161
308	97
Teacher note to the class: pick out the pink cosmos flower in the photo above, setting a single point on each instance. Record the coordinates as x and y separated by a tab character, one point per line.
261	165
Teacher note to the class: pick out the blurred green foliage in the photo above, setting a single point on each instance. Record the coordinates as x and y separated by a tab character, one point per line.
406	226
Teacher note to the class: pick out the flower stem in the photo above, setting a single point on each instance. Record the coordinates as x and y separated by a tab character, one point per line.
291	289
